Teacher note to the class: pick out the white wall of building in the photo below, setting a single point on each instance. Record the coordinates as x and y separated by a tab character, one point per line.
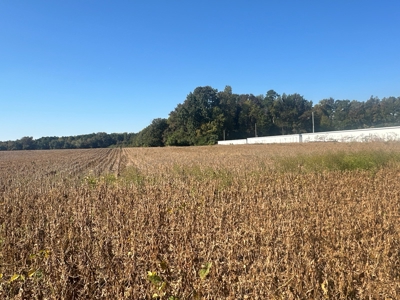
233	142
290	138
359	135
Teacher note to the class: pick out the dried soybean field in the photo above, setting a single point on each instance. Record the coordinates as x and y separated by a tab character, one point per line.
303	221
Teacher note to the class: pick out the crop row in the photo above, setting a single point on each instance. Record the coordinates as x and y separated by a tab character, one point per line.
243	222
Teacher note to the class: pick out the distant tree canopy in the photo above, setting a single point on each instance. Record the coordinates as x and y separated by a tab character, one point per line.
208	115
94	140
152	135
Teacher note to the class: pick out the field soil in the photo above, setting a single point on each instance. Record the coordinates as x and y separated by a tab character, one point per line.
294	221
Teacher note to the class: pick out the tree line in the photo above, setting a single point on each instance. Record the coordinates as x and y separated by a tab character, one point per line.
208	115
94	140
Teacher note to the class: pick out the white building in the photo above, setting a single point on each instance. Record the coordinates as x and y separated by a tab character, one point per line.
359	135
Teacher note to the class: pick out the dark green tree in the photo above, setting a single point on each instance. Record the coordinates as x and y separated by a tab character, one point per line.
390	111
373	115
323	114
197	121
152	135
27	143
292	113
356	114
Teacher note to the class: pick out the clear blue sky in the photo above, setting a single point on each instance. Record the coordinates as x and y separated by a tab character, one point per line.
84	66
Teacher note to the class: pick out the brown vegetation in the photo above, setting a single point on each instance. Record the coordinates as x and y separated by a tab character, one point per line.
221	222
